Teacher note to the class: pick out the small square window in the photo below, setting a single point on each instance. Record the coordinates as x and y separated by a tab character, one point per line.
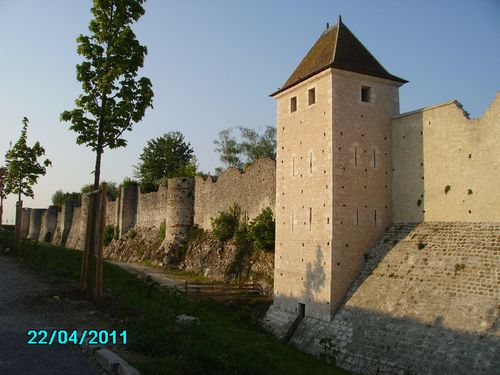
293	104
366	93
311	95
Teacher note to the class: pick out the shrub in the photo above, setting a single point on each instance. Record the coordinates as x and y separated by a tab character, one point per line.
225	223
162	231
469	191
109	234
261	230
447	189
131	234
421	245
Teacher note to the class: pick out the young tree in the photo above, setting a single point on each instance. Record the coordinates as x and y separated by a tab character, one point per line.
164	157
23	169
3	172
255	145
113	99
252	146
229	149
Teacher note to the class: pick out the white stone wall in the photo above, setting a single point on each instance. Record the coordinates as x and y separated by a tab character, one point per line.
438	147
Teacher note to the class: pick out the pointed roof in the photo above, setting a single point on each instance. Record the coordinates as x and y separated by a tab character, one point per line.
338	48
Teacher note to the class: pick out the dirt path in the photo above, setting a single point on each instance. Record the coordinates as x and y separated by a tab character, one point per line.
30	301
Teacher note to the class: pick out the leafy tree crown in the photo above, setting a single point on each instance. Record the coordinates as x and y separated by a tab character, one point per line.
165	157
113	99
23	168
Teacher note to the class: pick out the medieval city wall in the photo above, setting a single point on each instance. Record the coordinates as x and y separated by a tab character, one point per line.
446	166
151	208
253	190
48	224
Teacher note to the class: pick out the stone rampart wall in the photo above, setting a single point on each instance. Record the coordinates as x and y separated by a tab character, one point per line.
253	190
151	208
446	166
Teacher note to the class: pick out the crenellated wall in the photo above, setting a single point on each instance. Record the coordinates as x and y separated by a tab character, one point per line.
253	190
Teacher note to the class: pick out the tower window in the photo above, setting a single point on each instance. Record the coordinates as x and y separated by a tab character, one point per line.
311	95
366	93
293	104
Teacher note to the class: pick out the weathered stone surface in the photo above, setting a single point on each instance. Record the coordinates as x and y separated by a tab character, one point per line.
418	309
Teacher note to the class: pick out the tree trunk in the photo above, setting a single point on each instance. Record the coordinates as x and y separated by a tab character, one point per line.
94	208
1	211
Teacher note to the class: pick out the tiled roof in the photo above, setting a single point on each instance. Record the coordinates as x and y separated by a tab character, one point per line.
338	48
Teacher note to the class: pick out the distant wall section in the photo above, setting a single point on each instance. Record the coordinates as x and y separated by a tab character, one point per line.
253	190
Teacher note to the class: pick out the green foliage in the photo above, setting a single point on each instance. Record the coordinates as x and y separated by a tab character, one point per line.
59	197
109	234
129	182
229	149
23	168
261	230
3	173
255	146
111	190
225	224
162	230
131	234
165	157
250	147
113	98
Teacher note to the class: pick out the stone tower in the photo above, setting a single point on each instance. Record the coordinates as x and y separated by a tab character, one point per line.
333	177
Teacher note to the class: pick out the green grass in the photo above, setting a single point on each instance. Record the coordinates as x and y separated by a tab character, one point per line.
228	340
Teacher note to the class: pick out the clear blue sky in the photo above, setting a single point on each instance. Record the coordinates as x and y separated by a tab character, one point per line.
213	64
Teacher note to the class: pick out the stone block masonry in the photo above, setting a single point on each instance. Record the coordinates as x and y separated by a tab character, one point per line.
253	190
426	303
25	222
35	223
447	166
48	224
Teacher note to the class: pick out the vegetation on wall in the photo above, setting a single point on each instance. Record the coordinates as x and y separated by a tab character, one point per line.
225	223
261	230
60	197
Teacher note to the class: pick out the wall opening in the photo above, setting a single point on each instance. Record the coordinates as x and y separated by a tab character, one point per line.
310	217
375	218
302	309
374	159
311	96
310	162
293	104
366	94
355	156
292	219
357	217
293	166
